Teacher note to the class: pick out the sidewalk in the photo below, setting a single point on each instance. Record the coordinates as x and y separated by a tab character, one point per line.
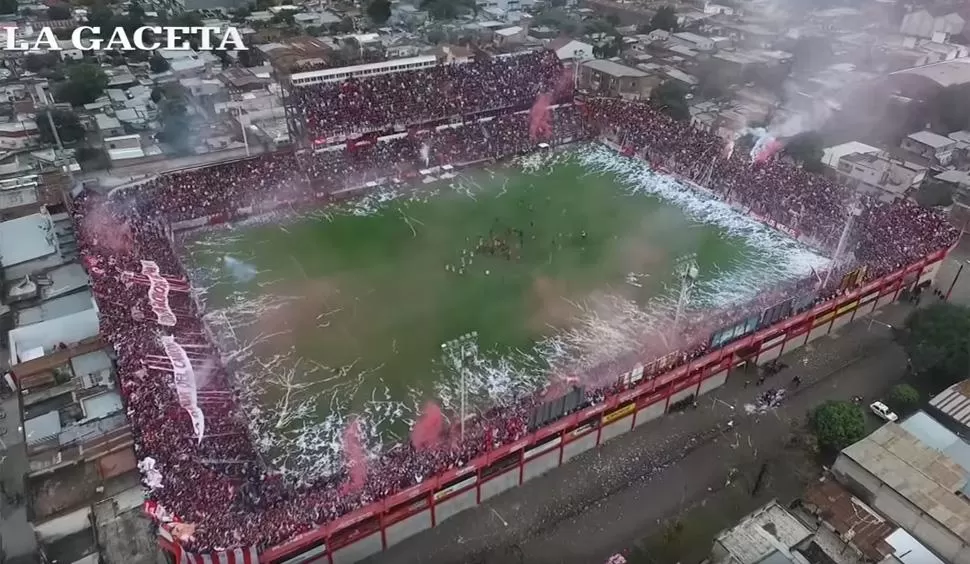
612	496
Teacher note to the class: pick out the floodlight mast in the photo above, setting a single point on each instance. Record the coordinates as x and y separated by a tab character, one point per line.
687	273
460	353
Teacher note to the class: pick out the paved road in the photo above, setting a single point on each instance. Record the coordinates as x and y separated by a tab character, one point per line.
613	496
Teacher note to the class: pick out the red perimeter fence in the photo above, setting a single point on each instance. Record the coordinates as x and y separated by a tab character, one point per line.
376	527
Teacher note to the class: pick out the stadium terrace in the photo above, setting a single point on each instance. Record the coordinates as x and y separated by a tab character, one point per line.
243	511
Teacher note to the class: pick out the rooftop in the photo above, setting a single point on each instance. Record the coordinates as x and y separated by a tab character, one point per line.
845	513
954	401
766	535
832	155
77	485
946	73
931	139
614	69
922	474
25	239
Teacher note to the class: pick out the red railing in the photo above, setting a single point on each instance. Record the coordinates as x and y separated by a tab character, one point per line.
348	529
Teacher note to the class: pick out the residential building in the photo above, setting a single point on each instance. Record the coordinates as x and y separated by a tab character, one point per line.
921	23
827	525
568	49
880	175
931	146
770	534
125	150
604	77
507	36
694	41
923	81
916	474
832	155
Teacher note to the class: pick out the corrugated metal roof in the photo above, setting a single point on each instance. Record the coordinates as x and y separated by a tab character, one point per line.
954	402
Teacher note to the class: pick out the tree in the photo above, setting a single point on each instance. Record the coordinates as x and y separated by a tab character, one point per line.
950	108
838	424
935	193
671	98
806	148
92	158
245	58
346	25
37	62
903	398
85	83
59	12
158	63
665	18
8	6
69	127
175	124
448	9
102	16
936	339
379	11
134	19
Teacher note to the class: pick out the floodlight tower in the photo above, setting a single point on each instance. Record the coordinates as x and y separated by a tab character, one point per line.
855	210
460	353
687	272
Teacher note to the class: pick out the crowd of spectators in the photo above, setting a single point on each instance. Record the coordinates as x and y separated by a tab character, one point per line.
401	99
217	484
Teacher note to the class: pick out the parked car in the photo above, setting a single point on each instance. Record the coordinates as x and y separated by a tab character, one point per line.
883	412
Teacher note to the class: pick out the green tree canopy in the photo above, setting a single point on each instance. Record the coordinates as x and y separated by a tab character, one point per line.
379	11
85	83
838	424
950	108
59	12
903	398
36	62
671	98
933	193
665	18
936	338
69	127
449	9
158	63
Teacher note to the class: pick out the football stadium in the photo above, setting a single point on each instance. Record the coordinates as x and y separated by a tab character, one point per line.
326	350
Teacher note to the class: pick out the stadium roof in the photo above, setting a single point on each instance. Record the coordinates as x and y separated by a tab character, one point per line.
947	73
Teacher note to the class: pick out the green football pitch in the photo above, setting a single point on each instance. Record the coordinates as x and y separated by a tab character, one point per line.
346	309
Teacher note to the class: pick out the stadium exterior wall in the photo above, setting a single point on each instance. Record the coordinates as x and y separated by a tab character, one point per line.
376	527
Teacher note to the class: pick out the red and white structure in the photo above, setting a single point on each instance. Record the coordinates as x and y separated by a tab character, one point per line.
385	523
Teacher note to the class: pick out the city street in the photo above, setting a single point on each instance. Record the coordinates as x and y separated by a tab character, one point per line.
610	497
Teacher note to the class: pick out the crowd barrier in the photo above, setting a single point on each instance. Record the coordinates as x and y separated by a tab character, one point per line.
383	524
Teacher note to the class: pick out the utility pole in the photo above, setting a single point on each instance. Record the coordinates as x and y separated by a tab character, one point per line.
687	272
460	353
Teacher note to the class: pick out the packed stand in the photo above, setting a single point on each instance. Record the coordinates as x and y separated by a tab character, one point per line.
809	204
243	503
376	103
